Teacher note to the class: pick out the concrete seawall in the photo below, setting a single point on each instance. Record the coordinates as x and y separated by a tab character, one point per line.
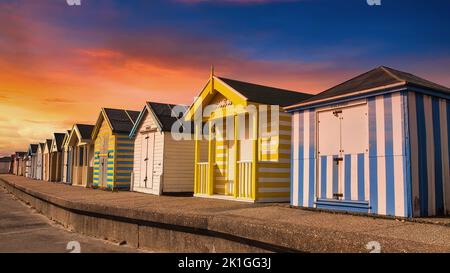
183	224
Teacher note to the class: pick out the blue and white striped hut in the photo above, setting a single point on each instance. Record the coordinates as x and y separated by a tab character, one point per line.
378	144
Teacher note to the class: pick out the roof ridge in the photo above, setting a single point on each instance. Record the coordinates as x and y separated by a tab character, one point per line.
257	84
391	73
419	78
165	103
351	79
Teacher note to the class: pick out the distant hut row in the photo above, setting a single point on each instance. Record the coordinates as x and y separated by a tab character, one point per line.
378	144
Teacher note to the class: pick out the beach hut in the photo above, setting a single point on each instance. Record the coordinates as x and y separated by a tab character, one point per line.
5	163
378	144
27	164
19	168
65	172
162	164
40	161
113	149
244	153
11	164
56	157
32	161
14	164
46	160
80	149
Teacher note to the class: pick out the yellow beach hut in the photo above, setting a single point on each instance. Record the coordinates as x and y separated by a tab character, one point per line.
113	149
80	149
244	153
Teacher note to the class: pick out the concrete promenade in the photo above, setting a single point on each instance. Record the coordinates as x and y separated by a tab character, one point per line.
22	230
186	224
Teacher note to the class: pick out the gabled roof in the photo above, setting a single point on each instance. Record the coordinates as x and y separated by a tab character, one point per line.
58	138
32	149
120	121
66	137
48	143
82	132
243	93
85	130
41	146
5	159
163	114
377	79
265	94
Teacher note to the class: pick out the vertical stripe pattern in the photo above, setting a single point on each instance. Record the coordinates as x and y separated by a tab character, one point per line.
303	160
430	171
379	177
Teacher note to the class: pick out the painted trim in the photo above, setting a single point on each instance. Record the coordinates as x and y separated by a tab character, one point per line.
407	156
222	88
368	93
343	205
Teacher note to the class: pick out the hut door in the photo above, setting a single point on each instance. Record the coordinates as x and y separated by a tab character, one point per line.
342	143
329	153
103	173
148	145
354	146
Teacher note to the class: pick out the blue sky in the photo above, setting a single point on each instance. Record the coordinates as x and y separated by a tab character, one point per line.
120	53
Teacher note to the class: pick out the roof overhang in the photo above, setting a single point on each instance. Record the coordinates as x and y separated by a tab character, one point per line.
102	116
147	109
357	94
397	87
54	146
30	150
39	149
66	137
214	86
75	133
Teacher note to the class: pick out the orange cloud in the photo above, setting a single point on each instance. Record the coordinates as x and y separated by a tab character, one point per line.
48	81
52	77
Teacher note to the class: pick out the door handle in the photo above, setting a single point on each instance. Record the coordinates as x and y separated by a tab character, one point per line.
338	196
338	159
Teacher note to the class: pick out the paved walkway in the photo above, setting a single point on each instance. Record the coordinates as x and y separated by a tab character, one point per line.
24	231
277	224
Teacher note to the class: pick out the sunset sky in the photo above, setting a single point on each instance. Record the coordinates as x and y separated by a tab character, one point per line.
59	64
